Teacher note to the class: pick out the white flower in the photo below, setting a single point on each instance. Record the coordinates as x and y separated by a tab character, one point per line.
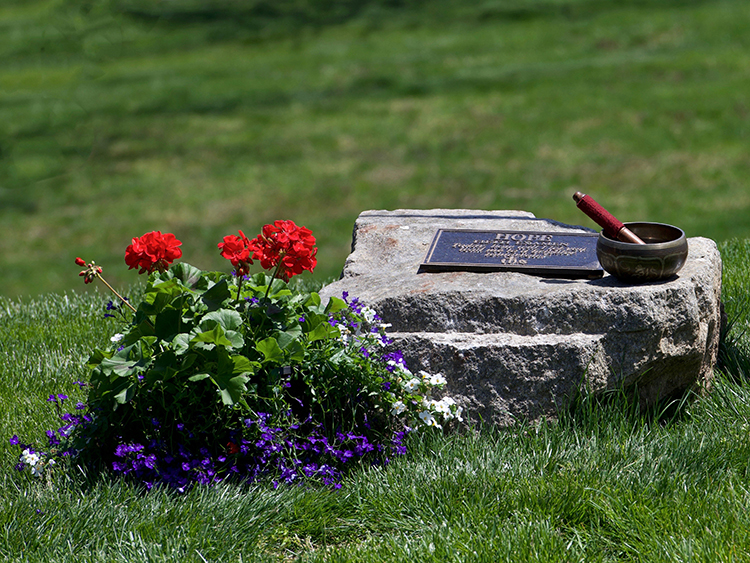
412	385
441	407
345	334
30	458
457	414
428	419
448	408
368	314
437	379
117	337
383	339
400	367
398	407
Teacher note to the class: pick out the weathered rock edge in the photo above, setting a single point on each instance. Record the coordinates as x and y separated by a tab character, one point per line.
516	346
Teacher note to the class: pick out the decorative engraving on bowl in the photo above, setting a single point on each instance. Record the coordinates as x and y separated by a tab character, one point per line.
640	268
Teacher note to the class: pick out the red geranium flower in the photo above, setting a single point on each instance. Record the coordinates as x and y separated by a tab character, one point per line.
153	251
287	247
236	249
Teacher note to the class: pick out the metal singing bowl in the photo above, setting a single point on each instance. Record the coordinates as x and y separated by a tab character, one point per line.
664	253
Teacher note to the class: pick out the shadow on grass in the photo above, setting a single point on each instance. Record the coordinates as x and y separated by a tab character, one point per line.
623	406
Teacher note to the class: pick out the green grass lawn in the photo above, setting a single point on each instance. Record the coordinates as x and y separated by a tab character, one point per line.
604	483
114	122
121	117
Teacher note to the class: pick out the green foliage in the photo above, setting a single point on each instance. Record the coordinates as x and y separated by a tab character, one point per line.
207	355
606	485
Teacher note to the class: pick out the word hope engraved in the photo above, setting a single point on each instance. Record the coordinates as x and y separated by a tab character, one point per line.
554	254
519	248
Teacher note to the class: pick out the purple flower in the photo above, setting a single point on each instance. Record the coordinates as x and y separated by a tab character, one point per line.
124	449
52	439
14	440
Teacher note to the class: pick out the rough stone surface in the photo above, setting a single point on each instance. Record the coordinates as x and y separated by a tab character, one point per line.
515	346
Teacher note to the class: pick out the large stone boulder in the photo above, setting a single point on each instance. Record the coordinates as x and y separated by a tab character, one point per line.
515	346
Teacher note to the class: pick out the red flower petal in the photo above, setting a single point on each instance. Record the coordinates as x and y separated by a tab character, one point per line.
153	251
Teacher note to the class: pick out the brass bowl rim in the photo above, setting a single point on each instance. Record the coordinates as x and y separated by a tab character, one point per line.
620	245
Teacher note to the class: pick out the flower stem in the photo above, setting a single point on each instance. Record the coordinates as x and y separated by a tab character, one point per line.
273	277
239	285
112	289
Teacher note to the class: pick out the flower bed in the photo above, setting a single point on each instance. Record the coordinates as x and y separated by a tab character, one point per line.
216	376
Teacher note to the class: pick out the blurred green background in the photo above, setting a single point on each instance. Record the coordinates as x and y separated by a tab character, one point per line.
201	117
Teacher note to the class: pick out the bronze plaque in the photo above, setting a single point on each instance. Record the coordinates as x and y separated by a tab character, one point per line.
561	255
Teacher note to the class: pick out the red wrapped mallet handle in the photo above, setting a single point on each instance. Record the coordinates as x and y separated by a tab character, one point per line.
613	227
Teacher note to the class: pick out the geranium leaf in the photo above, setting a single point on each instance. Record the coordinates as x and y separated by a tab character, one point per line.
314	304
288	336
188	361
214	296
227	318
243	365
126	394
189	275
233	389
296	351
213	336
167	323
118	366
96	358
159	296
163	367
270	350
198	377
322	332
335	304
235	338
181	343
